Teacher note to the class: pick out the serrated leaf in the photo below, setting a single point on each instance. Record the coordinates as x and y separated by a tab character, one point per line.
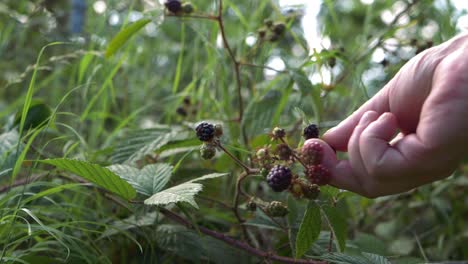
309	230
209	176
337	224
131	222
124	35
376	259
181	193
149	180
101	176
341	258
138	143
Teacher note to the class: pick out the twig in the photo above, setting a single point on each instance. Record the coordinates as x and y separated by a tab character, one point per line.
240	163
234	61
261	67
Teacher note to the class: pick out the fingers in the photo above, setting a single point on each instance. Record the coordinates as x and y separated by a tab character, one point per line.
374	167
378	156
339	136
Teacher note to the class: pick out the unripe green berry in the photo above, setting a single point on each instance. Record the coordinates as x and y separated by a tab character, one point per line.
187	8
277	209
207	151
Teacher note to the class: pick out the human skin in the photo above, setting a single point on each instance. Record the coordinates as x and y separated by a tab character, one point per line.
427	102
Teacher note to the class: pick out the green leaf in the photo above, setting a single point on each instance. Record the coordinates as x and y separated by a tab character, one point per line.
138	143
376	259
8	142
184	192
149	180
337	224
341	258
133	221
259	113
306	87
101	176
124	35
209	176
37	115
309	230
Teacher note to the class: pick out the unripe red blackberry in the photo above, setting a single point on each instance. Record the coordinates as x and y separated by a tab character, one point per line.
278	132
205	131
279	178
207	151
284	152
312	153
318	174
311	131
277	209
175	6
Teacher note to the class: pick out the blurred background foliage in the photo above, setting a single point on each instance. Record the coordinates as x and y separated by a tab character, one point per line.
175	72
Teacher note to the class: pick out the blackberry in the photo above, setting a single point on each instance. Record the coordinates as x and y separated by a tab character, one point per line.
318	174
311	131
284	152
175	6
277	209
207	151
312	153
310	191
181	111
205	131
279	28
279	178
187	7
251	205
218	130
278	132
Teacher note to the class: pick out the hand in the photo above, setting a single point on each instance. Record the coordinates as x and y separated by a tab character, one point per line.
427	101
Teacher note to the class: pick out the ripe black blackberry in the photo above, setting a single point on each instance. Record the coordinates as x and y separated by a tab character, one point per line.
311	131
205	131
279	178
175	6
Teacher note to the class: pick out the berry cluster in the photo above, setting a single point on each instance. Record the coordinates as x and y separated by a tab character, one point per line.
277	167
272	31
209	134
